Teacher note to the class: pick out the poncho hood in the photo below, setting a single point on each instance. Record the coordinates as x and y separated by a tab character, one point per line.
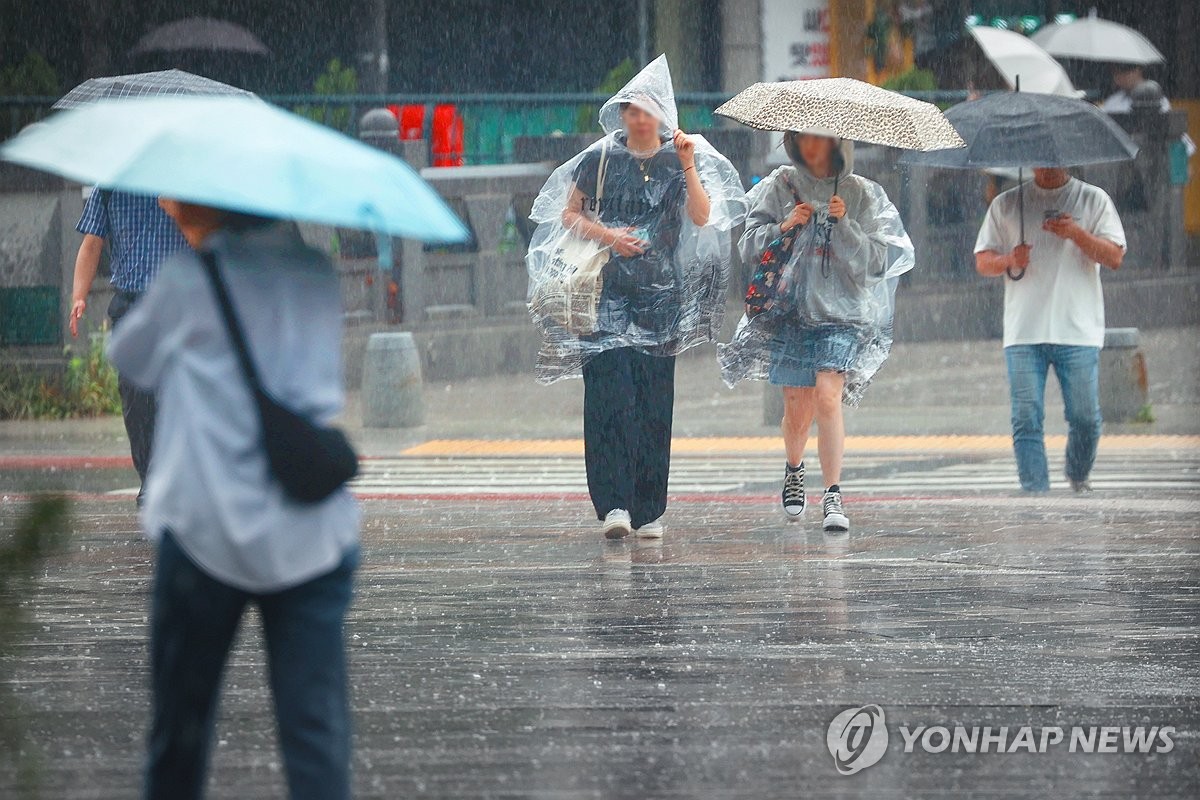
845	148
649	90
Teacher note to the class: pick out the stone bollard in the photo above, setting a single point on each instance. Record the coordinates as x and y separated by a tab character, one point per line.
1124	387
391	384
772	404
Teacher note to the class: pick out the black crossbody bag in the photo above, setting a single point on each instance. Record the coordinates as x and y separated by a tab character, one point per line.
310	461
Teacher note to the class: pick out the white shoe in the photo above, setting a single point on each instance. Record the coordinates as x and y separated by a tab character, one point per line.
617	524
651	530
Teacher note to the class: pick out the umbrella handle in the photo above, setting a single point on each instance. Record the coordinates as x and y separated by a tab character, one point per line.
1021	201
836	178
1017	275
826	270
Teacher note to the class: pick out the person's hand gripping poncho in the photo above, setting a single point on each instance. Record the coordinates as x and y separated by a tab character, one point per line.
584	294
840	273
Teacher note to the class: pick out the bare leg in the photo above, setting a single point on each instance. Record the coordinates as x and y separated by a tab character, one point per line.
831	441
798	409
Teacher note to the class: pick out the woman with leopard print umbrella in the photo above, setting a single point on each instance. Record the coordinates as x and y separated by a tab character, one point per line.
830	247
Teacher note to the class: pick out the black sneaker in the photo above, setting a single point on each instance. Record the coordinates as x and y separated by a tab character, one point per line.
1081	487
835	518
794	500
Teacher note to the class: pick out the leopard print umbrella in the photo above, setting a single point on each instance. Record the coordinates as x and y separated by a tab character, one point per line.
845	108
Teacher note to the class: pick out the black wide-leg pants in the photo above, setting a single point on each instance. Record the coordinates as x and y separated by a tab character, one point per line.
628	400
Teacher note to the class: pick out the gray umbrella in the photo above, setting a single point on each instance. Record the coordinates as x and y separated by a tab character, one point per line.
1026	129
200	33
144	84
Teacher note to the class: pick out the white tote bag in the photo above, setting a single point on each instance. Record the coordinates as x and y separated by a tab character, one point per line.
572	297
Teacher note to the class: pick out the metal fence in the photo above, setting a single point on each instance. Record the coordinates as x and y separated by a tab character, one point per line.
491	121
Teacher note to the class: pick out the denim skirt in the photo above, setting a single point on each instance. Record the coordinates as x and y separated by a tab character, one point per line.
799	352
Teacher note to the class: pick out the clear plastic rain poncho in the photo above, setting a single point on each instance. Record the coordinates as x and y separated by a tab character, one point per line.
850	285
587	298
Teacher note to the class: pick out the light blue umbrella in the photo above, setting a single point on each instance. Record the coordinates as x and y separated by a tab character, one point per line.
241	154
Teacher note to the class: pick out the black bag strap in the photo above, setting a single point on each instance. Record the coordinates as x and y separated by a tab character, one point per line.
236	335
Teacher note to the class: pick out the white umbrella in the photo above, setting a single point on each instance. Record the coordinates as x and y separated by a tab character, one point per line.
1095	39
845	108
1016	56
145	84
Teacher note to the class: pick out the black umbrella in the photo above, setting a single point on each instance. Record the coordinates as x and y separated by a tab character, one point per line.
1026	129
200	33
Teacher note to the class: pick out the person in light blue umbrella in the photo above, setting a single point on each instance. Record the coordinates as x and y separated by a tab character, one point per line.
1053	311
228	534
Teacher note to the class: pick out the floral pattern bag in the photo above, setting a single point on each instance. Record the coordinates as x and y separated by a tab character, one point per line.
761	294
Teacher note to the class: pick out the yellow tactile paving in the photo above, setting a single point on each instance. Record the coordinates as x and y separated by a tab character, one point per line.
749	445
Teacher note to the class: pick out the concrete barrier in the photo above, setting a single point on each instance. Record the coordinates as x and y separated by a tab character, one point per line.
1124	386
391	388
772	404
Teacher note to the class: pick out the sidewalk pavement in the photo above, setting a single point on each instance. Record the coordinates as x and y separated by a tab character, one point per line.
926	388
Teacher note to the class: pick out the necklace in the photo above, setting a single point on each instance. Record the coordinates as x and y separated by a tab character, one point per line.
642	167
641	157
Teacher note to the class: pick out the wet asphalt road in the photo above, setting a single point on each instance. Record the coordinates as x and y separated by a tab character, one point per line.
502	649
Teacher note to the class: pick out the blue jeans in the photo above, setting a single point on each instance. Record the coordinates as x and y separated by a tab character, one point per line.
1078	371
192	624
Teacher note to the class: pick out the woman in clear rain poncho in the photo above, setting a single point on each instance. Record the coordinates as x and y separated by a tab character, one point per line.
831	248
629	266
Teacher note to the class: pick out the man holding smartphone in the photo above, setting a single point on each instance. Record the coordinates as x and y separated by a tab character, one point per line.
1053	311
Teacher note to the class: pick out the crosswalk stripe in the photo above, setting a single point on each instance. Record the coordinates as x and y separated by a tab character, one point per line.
889	473
766	445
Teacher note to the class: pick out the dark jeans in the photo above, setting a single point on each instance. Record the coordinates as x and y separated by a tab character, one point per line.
137	405
628	400
192	624
1078	371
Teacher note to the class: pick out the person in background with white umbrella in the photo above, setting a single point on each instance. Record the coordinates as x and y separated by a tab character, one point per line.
1126	51
1126	78
1096	40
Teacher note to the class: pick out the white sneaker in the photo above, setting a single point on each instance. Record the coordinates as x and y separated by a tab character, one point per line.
617	524
651	530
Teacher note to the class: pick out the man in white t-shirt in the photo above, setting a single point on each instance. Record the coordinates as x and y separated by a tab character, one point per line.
1053	311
